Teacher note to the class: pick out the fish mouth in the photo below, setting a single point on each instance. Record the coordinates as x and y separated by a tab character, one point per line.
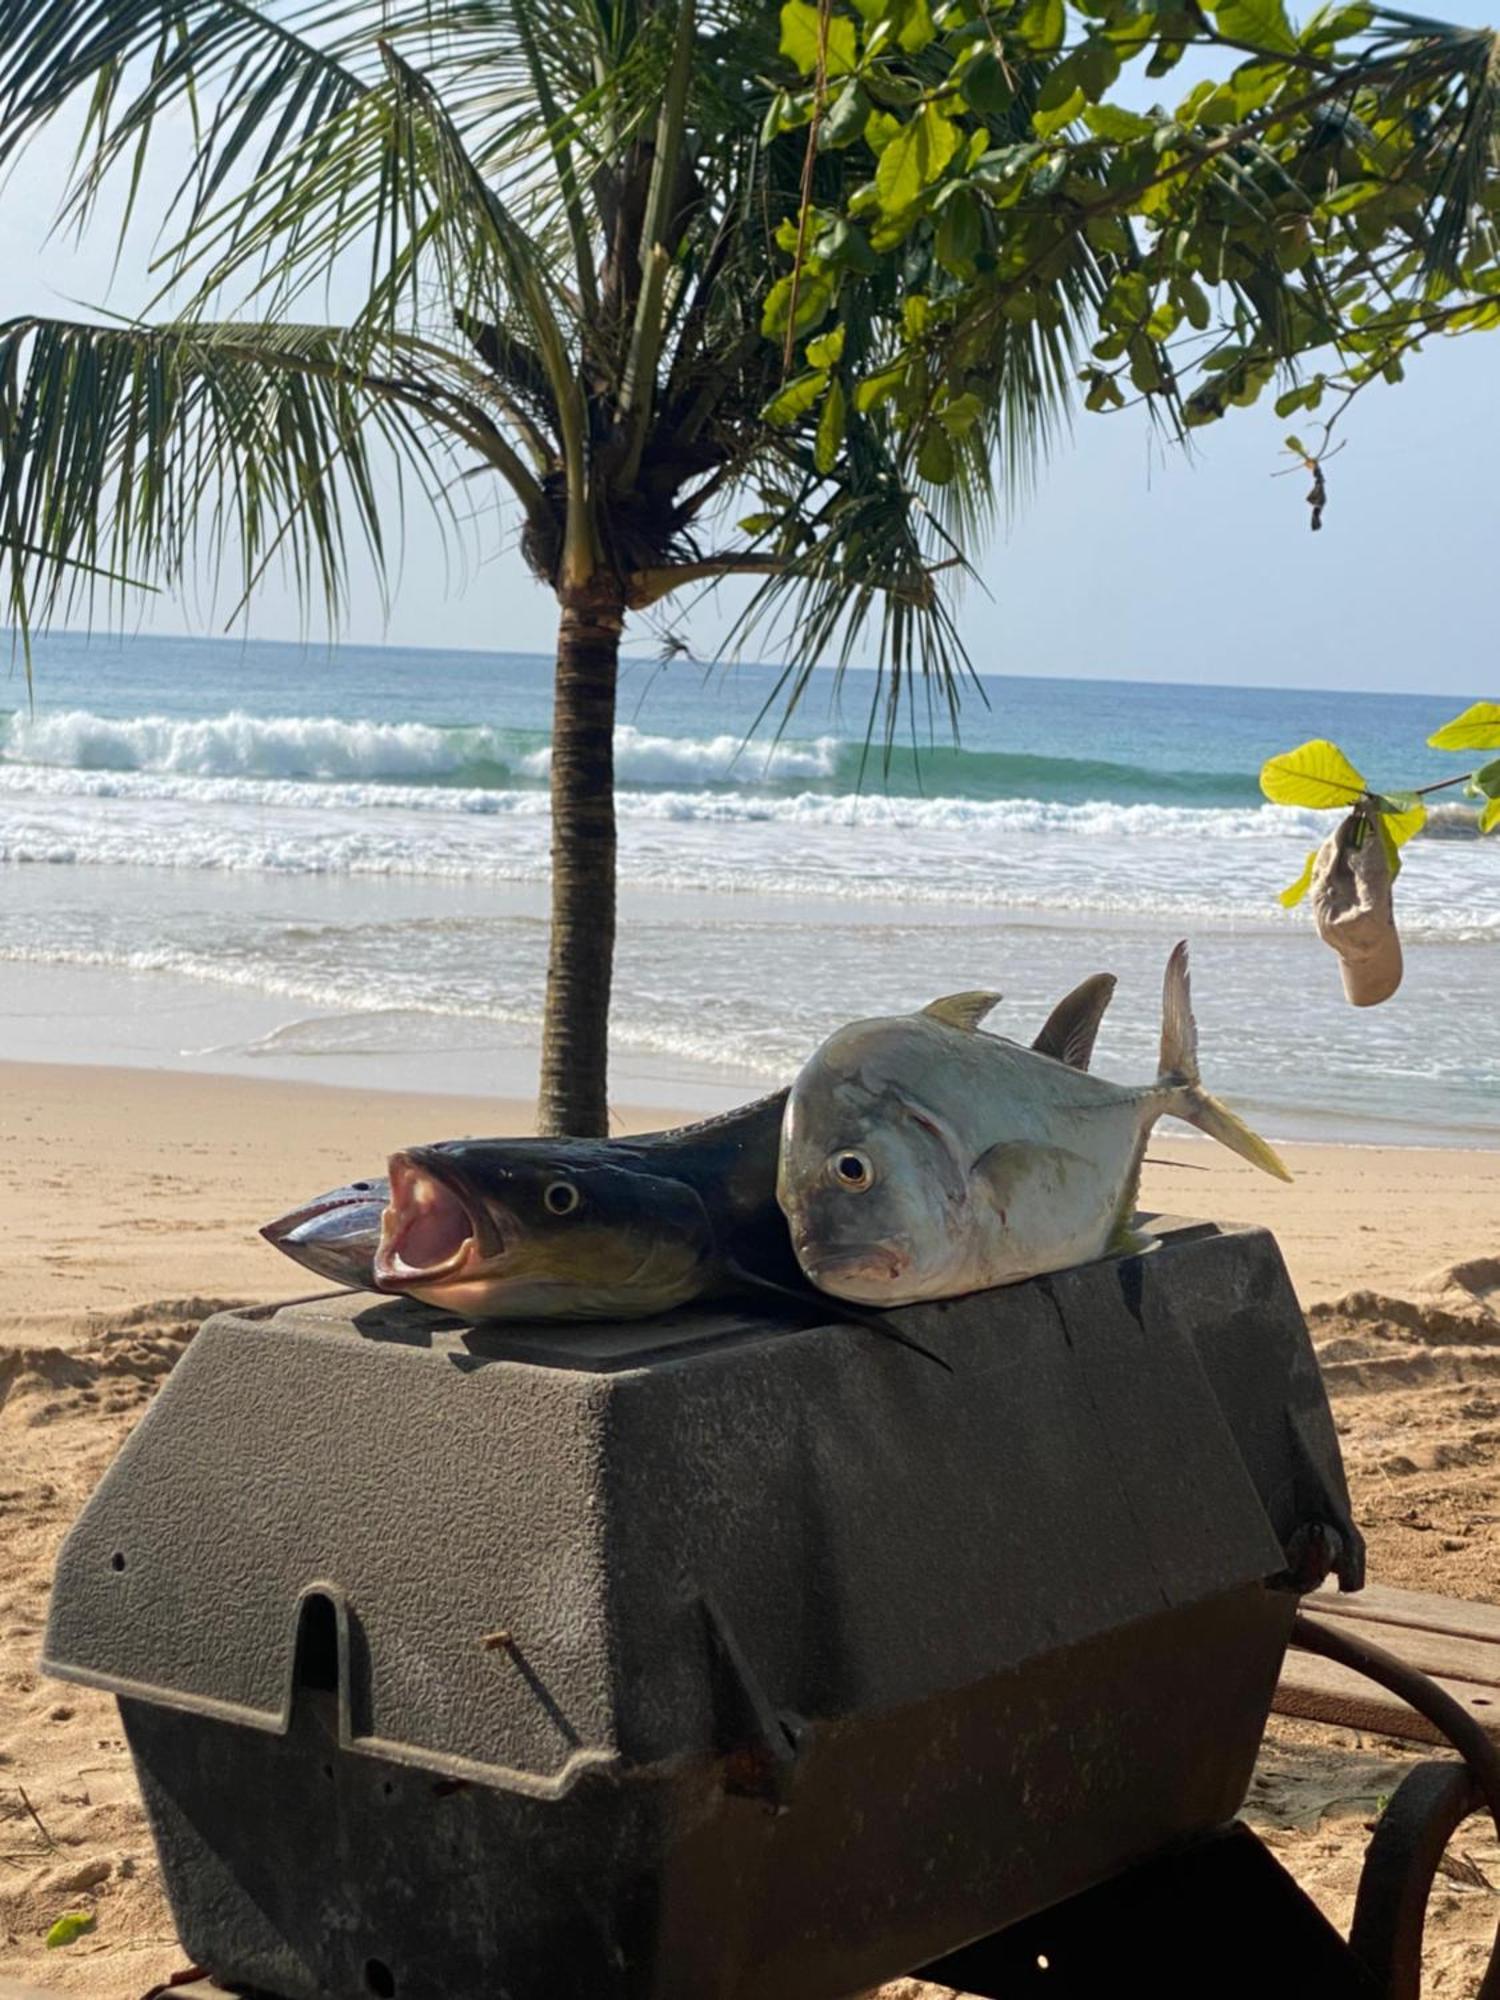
864	1276
431	1233
285	1228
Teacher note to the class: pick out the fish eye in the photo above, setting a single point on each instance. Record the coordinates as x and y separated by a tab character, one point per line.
851	1170
560	1198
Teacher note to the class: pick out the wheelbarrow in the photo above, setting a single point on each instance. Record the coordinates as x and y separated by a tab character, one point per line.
721	1656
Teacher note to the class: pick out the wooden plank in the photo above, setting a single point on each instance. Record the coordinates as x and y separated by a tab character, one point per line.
1435	1653
1322	1691
1425	1610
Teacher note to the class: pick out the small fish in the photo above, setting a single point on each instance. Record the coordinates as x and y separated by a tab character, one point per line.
588	1228
922	1159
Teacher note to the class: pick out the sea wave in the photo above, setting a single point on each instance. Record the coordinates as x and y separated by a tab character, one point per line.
333	751
327	749
806	807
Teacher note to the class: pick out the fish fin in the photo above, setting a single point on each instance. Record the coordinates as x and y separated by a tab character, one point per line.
1069	1030
1128	1241
1006	1164
1179	1075
835	1310
962	1010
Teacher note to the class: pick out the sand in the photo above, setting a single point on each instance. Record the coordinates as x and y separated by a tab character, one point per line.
131	1199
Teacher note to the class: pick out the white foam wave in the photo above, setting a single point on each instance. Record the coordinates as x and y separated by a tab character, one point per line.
328	749
856	810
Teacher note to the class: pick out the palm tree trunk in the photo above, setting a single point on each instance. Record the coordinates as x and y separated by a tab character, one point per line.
574	1096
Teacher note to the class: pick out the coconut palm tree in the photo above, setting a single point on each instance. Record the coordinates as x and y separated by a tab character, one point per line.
563	216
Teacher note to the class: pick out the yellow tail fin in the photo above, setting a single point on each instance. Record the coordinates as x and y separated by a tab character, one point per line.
1179	1074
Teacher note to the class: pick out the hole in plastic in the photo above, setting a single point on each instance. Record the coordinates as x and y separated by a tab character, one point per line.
117	1560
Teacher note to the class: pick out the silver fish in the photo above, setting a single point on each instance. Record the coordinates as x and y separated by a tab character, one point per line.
578	1227
921	1159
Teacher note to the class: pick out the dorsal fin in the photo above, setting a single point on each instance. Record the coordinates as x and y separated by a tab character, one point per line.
1069	1030
962	1010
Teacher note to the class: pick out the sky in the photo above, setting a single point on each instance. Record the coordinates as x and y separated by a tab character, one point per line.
1130	560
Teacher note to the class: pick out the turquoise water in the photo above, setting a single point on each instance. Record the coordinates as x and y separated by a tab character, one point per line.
356	843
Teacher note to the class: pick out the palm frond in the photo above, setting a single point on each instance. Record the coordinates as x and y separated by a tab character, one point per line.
143	451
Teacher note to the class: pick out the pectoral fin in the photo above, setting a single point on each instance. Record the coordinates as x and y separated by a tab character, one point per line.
1007	1167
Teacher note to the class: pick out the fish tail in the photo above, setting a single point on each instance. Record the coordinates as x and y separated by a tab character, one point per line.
1188	1099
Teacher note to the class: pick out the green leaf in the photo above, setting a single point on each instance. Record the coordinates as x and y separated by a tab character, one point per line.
827	348
758	524
987	85
799	39
1402	814
1041	26
1314	774
1293	893
830	439
960	233
1486	780
846	120
916	29
1046	123
1478	728
1261	23
877	389
1115	123
959	416
915	158
935	459
796	399
1490	817
67	1928
814	297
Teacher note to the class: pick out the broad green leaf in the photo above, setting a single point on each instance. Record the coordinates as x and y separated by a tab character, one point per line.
915	158
799	39
67	1928
1260	23
987	85
1489	819
1293	893
827	348
1486	780
847	117
814	297
1478	728
1042	25
960	233
1047	123
758	524
1402	814
796	399
1314	774
1115	123
877	389
916	29
959	416
935	460
830	438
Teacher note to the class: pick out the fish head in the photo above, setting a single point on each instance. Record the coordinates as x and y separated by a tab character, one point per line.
336	1234
872	1178
534	1229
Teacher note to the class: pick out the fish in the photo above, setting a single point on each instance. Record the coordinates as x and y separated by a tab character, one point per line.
924	1159
588	1228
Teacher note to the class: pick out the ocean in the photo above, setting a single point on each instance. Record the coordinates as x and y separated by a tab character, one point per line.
331	863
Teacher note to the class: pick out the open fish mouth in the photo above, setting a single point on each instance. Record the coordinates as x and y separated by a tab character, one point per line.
429	1233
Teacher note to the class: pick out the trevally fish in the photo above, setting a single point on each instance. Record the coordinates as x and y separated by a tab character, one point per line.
589	1228
922	1159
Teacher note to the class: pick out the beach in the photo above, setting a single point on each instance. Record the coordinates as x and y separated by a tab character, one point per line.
136	1214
